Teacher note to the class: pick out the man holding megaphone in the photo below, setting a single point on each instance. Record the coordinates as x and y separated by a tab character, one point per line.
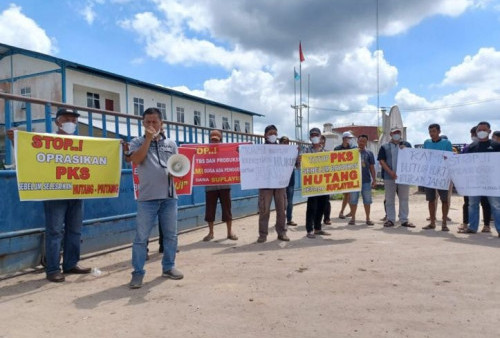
157	197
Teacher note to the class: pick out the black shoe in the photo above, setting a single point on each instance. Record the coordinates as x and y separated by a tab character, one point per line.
56	277
78	270
284	238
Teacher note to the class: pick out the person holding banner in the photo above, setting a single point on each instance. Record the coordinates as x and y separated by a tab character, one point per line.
437	142
266	196
348	142
315	204
157	197
63	218
289	189
368	179
388	158
214	193
485	204
328	206
482	145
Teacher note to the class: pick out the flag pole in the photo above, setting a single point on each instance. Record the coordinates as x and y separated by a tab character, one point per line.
308	90
295	100
300	87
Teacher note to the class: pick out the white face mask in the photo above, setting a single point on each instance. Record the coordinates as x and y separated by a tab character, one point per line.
272	138
68	127
353	143
396	137
315	139
482	135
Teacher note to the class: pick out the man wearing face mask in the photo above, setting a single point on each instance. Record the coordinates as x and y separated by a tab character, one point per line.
315	204
482	145
485	204
388	158
157	197
266	196
348	142
63	218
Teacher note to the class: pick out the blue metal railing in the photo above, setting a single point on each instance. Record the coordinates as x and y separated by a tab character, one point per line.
98	123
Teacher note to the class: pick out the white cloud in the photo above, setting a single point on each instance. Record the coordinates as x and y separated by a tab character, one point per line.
256	44
88	13
18	30
482	69
172	46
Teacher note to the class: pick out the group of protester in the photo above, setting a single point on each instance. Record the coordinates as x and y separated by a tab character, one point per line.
157	200
318	207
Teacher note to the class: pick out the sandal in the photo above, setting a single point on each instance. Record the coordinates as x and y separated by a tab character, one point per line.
388	224
341	216
486	228
352	222
430	227
327	222
321	232
349	215
407	224
445	228
208	238
292	223
466	231
368	222
232	237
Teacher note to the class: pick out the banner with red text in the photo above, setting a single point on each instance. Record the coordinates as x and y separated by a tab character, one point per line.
183	185
330	172
215	163
52	166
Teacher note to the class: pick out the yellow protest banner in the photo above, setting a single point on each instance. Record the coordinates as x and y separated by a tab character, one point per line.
330	172
53	166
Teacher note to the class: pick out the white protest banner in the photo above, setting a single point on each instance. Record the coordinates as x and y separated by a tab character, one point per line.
266	166
423	167
475	174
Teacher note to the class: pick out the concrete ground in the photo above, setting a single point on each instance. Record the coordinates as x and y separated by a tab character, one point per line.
359	282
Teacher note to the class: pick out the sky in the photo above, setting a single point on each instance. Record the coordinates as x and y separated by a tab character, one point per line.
437	60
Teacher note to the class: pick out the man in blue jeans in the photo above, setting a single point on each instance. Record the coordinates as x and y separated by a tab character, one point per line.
482	145
157	197
63	218
368	179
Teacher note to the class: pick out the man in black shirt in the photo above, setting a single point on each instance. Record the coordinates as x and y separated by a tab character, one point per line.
482	145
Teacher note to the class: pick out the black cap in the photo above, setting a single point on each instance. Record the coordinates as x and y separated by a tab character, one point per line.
270	127
66	111
314	131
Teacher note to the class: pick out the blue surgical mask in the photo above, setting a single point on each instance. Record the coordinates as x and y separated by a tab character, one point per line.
396	137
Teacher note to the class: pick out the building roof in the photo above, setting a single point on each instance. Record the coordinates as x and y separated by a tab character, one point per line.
370	131
6	50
